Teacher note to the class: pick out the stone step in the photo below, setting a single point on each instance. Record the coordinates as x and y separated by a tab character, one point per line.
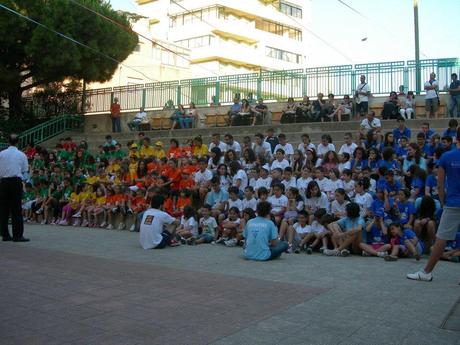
292	136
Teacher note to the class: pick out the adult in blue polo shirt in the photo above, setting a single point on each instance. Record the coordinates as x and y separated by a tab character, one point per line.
448	173
261	236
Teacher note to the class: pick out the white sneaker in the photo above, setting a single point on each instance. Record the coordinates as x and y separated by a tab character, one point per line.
132	228
382	254
77	215
420	275
331	252
121	226
109	227
103	225
231	242
84	224
344	252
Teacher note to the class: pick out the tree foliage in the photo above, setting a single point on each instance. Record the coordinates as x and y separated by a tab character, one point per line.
31	56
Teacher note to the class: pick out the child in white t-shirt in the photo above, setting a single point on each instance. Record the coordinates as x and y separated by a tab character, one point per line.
279	202
249	201
229	228
188	227
208	227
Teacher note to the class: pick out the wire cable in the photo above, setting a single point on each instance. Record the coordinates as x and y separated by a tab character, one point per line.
130	30
374	22
314	35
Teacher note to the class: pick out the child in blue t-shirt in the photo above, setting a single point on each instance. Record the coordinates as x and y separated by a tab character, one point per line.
382	204
374	239
404	243
346	231
405	209
431	183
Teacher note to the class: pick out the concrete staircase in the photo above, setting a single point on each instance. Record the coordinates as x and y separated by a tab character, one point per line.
293	132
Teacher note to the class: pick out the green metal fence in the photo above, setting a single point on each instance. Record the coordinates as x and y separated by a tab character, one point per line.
49	129
382	77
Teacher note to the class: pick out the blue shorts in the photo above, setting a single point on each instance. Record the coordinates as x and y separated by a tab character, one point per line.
419	247
165	241
207	238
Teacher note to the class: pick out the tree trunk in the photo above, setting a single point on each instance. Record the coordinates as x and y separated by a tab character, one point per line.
15	103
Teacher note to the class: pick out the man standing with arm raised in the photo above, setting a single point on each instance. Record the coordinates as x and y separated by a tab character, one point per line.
448	171
13	166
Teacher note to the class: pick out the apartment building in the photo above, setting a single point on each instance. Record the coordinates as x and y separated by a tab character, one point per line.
228	37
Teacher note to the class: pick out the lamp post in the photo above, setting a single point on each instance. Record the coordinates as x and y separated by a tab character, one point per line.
417	51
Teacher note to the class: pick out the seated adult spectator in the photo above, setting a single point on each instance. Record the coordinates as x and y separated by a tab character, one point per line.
343	110
272	139
169	105
261	113
401	130
329	108
261	236
192	116
426	130
349	146
140	117
318	107
234	110
244	116
304	110
285	146
289	112
215	141
451	131
370	122
407	106
231	144
391	107
177	117
261	148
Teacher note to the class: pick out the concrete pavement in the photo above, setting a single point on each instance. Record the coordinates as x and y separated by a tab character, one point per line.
86	286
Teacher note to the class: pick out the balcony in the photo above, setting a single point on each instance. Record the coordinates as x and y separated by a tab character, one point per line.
227	52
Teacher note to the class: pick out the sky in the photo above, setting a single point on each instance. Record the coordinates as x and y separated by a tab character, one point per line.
387	25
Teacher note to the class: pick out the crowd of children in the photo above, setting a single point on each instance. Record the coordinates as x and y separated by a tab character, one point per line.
375	195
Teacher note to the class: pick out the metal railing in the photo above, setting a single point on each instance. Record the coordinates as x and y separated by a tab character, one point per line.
382	78
49	129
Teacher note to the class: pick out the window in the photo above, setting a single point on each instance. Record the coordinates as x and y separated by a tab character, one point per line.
291	10
283	55
196	16
279	29
196	42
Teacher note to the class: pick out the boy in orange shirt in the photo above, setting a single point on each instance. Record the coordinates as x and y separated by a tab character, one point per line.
136	204
118	201
187	181
183	200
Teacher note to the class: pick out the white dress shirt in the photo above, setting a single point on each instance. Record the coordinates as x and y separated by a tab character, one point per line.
13	163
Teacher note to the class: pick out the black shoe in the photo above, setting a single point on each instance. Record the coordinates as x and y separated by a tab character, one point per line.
21	239
7	239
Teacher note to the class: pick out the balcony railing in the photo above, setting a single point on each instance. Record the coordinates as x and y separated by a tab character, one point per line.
277	85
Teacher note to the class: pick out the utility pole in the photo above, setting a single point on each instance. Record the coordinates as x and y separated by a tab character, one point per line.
418	77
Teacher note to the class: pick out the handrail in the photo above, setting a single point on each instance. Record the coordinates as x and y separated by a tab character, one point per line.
382	78
49	129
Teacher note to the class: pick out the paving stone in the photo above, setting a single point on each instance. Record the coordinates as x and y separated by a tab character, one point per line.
70	284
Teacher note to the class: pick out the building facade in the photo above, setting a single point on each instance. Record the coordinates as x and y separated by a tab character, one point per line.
229	37
150	62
